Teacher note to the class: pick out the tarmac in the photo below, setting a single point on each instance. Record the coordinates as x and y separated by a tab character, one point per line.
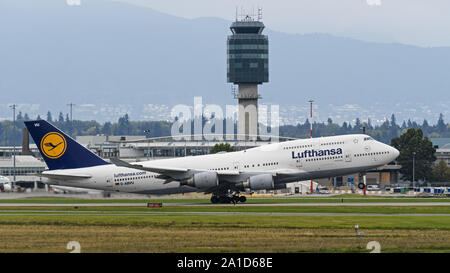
393	204
334	201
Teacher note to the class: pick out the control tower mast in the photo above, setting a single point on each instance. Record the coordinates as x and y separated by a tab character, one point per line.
247	66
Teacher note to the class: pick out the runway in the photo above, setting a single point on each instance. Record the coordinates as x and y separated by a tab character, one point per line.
359	204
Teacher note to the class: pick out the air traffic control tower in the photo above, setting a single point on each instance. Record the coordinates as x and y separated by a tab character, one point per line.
247	67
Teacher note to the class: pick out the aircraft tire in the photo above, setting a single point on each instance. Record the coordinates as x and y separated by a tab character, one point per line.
214	199
224	200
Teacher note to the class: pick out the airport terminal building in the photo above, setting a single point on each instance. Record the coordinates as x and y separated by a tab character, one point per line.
442	146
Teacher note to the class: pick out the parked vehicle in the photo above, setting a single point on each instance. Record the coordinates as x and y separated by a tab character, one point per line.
373	188
323	190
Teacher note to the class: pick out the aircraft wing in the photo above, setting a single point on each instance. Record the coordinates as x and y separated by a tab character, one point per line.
289	174
160	170
170	173
228	173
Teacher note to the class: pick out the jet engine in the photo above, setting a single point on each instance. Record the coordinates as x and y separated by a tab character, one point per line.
203	180
258	182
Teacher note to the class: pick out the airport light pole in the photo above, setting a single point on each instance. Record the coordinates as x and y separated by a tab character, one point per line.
148	144
14	106
310	113
365	184
71	106
71	119
414	163
364	176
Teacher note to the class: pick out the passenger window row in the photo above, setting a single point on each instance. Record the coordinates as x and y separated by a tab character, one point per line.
133	178
375	153
270	164
297	147
332	143
264	164
247	166
220	169
324	158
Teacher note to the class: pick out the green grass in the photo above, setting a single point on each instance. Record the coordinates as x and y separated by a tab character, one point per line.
211	233
249	209
123	238
238	221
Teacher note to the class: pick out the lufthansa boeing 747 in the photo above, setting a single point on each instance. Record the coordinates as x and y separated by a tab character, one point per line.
224	175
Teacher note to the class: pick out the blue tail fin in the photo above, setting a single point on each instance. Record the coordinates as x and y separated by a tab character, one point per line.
58	149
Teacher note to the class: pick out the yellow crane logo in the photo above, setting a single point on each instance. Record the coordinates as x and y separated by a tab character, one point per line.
53	145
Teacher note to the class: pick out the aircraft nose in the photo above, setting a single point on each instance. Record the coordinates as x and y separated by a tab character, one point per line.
395	152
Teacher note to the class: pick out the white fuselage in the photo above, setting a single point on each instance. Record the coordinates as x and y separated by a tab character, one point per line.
304	159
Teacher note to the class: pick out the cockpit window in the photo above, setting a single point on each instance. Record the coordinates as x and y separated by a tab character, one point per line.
368	138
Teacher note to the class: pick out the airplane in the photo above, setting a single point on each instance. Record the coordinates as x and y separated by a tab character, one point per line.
223	175
5	184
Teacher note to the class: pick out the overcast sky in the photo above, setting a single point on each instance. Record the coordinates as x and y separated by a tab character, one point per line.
417	22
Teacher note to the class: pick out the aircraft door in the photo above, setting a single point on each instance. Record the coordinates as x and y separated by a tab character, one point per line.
348	156
109	181
374	157
298	163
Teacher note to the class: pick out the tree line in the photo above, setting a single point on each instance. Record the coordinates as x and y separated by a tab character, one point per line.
384	132
417	158
12	133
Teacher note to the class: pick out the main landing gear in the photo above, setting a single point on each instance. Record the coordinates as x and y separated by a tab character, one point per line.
227	199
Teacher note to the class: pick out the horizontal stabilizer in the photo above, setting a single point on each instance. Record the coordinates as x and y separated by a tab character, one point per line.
63	176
